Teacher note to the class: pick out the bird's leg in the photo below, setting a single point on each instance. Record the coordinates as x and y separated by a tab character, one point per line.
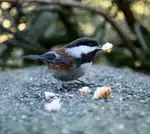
81	81
59	85
87	75
84	83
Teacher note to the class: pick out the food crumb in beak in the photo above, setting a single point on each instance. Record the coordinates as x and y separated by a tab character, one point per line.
107	47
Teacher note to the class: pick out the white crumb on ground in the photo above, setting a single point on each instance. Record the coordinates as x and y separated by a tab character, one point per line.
49	95
102	92
54	106
85	90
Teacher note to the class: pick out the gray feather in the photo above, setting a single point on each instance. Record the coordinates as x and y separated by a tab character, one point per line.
34	57
47	57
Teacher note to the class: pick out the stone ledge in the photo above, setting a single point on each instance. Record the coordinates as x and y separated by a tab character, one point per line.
126	111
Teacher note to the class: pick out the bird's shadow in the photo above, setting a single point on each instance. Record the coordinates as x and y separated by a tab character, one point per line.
75	85
34	88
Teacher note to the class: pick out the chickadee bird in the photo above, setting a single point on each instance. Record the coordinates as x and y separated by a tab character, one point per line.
70	62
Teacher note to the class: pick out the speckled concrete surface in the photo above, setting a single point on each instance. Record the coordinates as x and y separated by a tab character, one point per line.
126	111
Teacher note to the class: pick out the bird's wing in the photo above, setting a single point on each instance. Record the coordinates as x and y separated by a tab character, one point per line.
57	58
53	57
63	60
49	56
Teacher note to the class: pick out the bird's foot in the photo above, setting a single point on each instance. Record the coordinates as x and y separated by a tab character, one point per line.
79	83
85	83
62	87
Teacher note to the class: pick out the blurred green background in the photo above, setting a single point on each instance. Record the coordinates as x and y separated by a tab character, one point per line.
36	26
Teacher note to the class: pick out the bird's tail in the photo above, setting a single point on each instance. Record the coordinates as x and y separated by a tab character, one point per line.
35	57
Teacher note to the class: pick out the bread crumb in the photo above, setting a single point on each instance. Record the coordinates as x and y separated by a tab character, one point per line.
107	47
85	90
102	92
49	95
54	106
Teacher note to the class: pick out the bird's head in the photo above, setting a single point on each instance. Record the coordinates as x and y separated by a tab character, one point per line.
82	46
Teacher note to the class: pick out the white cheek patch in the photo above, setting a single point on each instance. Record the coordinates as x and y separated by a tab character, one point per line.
77	51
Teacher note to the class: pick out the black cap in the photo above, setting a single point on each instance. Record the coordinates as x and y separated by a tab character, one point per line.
84	41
